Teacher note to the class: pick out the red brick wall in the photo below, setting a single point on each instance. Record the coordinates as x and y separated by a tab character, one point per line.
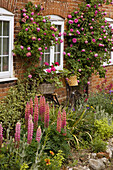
56	7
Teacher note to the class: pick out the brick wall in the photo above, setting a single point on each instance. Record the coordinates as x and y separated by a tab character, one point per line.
51	7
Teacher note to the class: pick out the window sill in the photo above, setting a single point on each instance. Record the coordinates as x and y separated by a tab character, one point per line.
8	79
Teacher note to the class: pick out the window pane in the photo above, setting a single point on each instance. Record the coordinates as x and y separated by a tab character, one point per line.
57	58
59	28
5	63
5	46
0	46
0	28
48	50
57	48
47	58
6	28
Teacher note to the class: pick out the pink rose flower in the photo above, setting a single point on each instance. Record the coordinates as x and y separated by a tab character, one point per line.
24	10
78	25
30	76
44	20
70	22
79	70
28	48
45	48
74	40
91	27
57	63
93	40
53	35
71	45
64	53
32	13
28	54
59	34
56	39
53	69
95	55
22	47
44	33
71	30
33	38
39	39
83	50
24	14
39	49
100	38
31	19
88	82
68	54
38	29
86	42
26	29
61	41
48	70
69	16
88	5
75	20
82	29
47	64
41	53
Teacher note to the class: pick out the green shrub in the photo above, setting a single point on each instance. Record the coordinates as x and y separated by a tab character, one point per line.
12	108
103	128
98	145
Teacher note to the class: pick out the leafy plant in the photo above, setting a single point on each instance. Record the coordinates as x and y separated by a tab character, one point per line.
103	128
98	145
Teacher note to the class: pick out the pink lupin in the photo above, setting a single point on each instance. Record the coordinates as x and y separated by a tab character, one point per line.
35	116
63	119
38	134
36	100
46	115
30	130
31	106
1	134
59	122
17	133
42	107
27	113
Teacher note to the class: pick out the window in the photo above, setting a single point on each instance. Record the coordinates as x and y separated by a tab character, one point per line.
6	43
111	56
55	53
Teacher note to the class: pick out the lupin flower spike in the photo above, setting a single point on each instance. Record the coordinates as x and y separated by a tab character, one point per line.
36	116
30	130
31	106
38	134
17	133
46	116
59	122
1	134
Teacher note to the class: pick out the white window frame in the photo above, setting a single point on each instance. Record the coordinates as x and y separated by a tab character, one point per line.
111	59
8	16
56	20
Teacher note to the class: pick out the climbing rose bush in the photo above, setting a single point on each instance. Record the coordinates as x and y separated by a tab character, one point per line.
89	40
36	35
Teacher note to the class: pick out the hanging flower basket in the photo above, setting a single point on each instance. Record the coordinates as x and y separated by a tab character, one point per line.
72	81
46	88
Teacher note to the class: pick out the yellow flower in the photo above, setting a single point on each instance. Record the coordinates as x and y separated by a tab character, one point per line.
111	102
87	105
47	161
52	153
